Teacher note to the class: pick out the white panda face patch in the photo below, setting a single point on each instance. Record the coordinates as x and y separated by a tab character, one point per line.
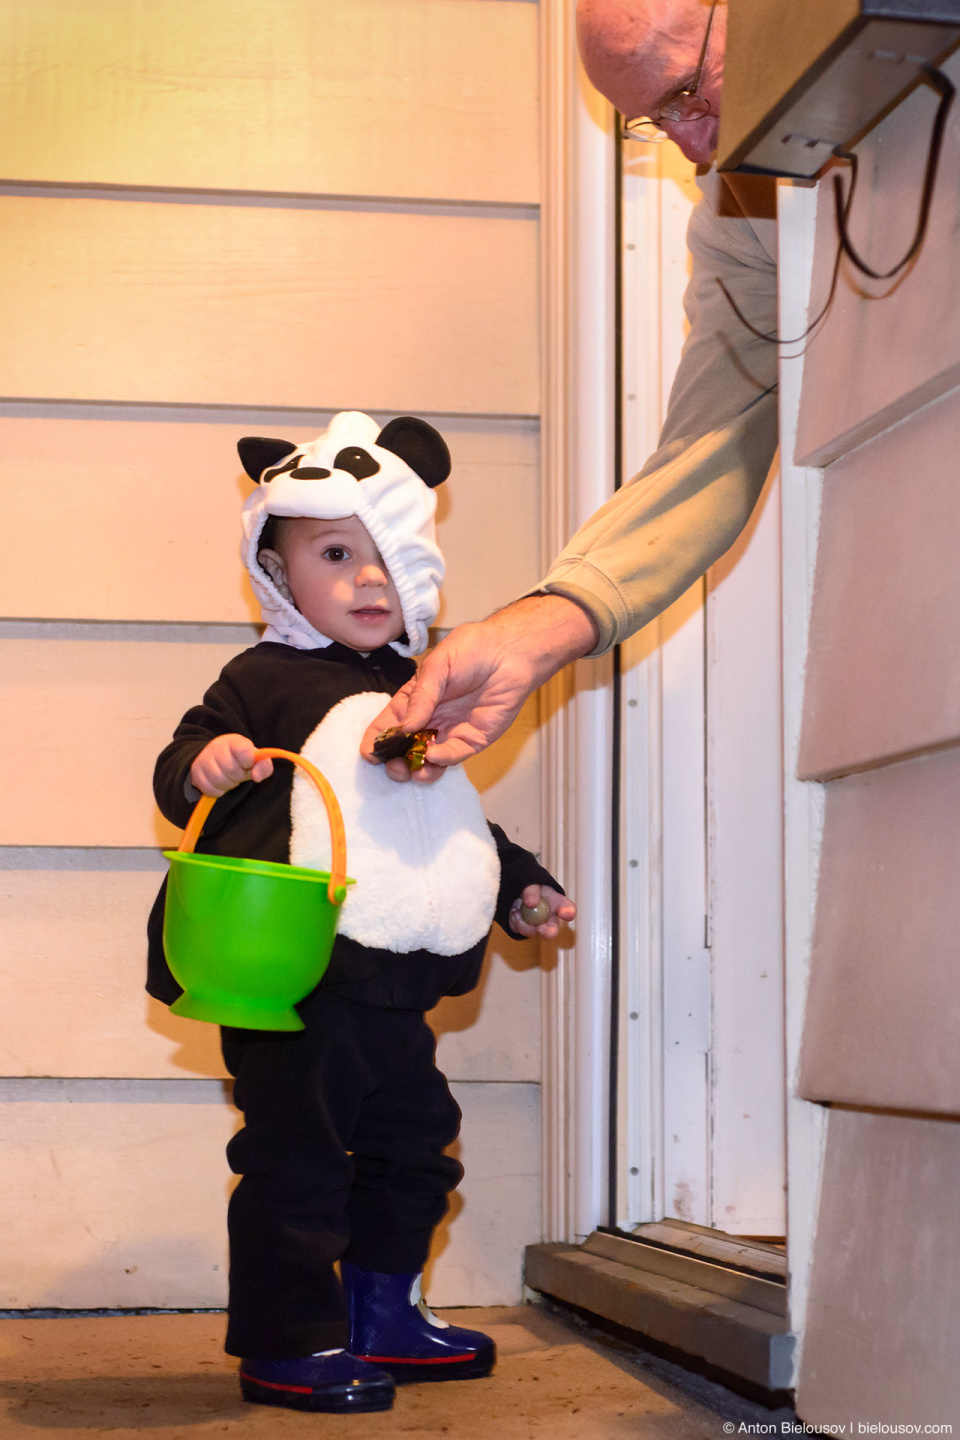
352	482
352	459
293	467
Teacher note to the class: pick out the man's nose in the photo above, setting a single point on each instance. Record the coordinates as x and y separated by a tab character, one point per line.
697	139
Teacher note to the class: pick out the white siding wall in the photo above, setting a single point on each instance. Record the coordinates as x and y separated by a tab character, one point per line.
220	220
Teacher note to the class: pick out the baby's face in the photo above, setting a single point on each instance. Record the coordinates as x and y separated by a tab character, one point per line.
333	573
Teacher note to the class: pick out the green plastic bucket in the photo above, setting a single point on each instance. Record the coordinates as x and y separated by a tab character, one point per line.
248	939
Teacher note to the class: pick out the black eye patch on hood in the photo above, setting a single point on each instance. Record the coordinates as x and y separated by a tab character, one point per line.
357	462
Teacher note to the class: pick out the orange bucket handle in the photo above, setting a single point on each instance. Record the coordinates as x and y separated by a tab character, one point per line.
336	888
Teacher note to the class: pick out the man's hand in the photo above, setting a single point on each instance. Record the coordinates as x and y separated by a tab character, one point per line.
225	763
471	687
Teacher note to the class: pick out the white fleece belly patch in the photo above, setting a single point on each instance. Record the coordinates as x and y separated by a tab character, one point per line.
425	863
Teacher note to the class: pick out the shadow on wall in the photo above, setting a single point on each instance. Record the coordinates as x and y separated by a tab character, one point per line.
457	1013
198	1044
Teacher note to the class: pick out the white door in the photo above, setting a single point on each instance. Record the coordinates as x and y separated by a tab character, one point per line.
700	1080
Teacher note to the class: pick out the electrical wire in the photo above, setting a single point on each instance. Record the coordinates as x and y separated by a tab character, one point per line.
939	82
772	336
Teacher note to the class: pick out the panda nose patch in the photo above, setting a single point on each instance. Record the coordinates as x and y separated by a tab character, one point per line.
269	475
309	472
356	461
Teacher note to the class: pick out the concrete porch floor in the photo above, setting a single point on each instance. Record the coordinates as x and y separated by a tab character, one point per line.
166	1376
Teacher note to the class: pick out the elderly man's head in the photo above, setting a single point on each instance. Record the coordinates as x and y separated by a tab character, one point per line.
639	53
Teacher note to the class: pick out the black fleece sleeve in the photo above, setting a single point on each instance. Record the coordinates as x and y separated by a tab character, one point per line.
518	868
221	712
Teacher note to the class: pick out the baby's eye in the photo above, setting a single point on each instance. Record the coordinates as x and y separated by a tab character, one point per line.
336	553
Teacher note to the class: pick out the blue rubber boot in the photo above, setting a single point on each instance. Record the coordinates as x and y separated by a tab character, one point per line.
332	1381
392	1328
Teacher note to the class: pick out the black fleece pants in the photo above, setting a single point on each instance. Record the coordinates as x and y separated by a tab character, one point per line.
341	1156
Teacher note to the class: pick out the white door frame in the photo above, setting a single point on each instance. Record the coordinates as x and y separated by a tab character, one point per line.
577	437
700	1117
664	1013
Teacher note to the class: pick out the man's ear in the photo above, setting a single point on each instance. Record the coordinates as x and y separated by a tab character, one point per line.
423	448
257	453
272	562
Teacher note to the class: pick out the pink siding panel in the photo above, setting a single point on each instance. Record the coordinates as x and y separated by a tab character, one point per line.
912	333
884	1309
882	1025
883	668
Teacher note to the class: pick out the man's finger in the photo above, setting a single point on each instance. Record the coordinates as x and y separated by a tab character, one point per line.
397	769
428	774
421	699
390	715
402	711
452	751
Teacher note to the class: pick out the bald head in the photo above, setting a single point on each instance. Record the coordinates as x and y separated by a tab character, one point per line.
638	52
618	36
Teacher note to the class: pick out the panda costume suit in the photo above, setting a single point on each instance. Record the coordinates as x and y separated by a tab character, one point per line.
346	1122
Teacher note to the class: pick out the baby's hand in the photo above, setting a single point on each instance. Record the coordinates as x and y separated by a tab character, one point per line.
225	763
560	908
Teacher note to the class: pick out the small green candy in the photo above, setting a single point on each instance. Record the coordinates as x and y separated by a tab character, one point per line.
535	914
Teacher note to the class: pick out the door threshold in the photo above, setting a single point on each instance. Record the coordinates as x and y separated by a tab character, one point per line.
763	1258
729	1318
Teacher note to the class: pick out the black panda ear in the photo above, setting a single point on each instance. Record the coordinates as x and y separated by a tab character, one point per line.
256	453
423	448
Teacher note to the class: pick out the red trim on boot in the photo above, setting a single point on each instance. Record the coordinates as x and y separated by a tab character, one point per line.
412	1359
272	1385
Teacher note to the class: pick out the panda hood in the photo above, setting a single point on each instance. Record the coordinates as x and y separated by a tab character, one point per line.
386	478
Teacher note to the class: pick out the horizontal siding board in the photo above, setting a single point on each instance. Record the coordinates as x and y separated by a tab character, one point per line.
884	1310
141	520
882	678
123	1204
73	948
123	300
884	958
86	721
489	524
73	954
910	334
74	951
114	1205
90	716
376	97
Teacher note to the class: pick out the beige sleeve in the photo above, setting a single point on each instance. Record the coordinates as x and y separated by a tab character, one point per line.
690	501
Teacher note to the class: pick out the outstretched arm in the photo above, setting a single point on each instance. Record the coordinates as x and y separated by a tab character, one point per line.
472	685
650	541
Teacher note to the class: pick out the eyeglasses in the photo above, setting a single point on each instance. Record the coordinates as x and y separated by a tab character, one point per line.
683	104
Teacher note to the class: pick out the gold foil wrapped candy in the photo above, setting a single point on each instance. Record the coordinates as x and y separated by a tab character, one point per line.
393	743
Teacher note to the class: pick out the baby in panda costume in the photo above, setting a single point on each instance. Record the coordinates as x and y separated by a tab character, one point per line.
346	1122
